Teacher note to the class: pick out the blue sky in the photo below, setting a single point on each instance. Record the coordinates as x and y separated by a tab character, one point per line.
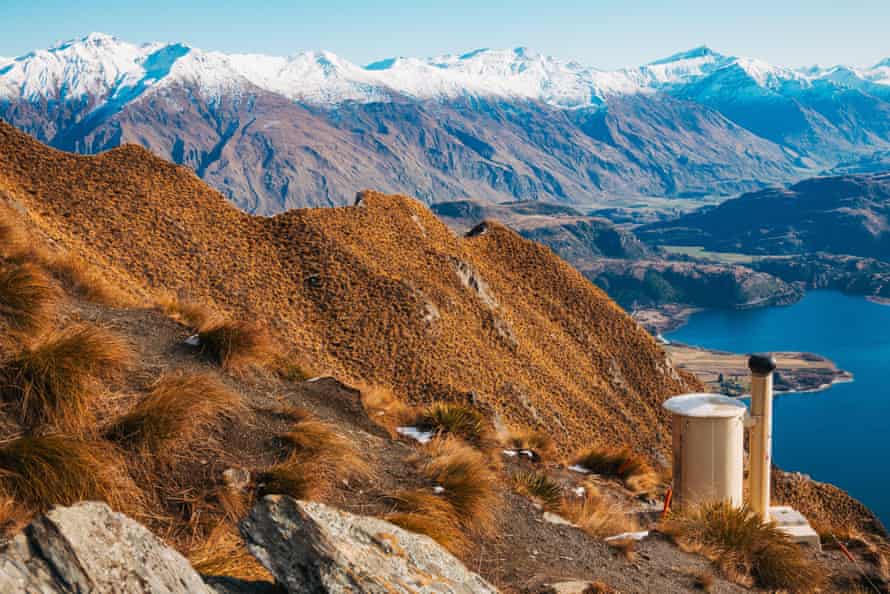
606	34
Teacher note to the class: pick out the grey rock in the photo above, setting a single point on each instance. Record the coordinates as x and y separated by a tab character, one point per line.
310	547
89	548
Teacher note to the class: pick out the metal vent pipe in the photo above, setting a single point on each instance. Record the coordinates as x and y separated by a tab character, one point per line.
761	435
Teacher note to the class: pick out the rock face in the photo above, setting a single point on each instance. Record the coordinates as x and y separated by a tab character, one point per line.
310	547
89	548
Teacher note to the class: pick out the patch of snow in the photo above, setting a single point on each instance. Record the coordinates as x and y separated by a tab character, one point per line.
628	536
193	341
416	434
438	489
579	491
511	453
578	468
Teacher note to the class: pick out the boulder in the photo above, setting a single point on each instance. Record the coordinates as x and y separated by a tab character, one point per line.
89	548
310	547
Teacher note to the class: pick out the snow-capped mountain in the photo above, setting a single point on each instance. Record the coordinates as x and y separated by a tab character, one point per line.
493	123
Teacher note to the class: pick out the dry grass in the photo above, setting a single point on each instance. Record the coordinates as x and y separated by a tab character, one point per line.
42	471
385	408
27	297
531	440
540	488
620	463
191	314
82	280
468	483
223	553
13	240
426	513
597	516
703	580
291	371
745	549
626	547
55	379
179	408
451	418
236	345
317	455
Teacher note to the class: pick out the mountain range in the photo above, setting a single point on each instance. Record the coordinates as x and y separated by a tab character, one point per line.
273	133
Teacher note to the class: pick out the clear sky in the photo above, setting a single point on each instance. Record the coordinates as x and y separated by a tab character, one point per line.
607	34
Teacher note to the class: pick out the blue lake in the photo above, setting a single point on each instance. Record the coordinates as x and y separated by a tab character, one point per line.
839	435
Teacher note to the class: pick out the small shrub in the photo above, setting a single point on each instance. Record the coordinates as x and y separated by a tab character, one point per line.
426	513
596	516
467	482
235	345
27	297
43	471
177	409
290	371
534	441
744	548
539	487
53	381
455	419
622	464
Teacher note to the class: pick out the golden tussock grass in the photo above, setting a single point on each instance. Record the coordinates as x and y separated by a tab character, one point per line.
42	471
456	419
13	239
82	280
385	408
290	370
597	516
27	297
236	345
191	314
55	379
467	482
745	549
425	512
14	515
538	487
620	463
177	409
223	553
316	456
626	547
703	580
532	440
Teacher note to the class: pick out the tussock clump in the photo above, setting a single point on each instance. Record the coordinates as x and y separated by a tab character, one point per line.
235	345
597	516
44	471
191	314
177	409
82	280
290	370
55	379
622	464
385	408
27	297
451	418
466	481
745	549
539	487
223	553
531	440
426	513
317	454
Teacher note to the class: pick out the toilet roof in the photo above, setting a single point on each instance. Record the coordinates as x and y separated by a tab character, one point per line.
709	406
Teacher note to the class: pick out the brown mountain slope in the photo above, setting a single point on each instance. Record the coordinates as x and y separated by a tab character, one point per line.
381	292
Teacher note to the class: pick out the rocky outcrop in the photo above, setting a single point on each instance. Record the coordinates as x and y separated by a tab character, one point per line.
89	548
310	547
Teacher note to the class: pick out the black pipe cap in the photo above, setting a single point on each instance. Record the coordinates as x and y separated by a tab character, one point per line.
761	363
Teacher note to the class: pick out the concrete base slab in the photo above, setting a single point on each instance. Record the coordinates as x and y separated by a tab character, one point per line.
795	525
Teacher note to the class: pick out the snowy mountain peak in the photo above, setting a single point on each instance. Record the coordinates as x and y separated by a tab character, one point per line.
701	52
105	68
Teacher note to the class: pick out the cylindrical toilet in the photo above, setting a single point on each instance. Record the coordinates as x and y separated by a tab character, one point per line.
708	440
